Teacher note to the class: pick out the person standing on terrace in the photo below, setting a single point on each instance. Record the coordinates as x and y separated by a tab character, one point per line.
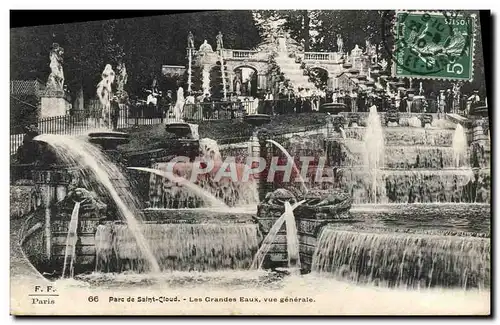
474	99
441	101
268	103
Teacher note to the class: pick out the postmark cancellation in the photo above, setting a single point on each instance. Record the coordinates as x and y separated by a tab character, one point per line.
434	45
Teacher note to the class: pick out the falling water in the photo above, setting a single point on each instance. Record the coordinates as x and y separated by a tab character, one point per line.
271	236
206	82
76	151
223	73
459	145
207	197
414	122
194	131
289	158
182	247
374	151
342	133
292	239
404	260
71	241
190	51
165	194
209	149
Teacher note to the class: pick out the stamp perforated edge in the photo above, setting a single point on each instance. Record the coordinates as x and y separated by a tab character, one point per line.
422	77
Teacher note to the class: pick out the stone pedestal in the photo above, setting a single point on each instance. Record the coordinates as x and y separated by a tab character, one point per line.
319	209
54	103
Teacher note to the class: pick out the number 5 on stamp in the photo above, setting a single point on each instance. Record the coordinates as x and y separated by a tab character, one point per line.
434	45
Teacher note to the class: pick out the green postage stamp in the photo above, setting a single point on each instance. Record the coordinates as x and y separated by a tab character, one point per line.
434	45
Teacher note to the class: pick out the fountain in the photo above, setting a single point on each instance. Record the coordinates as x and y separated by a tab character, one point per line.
71	241
197	224
208	198
180	129
257	120
459	145
409	246
223	73
190	58
333	108
166	194
374	152
206	81
77	151
291	238
403	260
108	140
295	169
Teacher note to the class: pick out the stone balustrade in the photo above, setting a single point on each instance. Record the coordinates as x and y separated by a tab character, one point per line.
239	54
321	56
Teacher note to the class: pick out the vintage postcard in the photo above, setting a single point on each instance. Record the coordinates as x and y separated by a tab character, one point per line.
263	162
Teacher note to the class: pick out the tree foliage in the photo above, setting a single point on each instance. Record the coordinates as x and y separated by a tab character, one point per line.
144	44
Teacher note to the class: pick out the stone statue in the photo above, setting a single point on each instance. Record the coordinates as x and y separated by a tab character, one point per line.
205	47
190	40
340	44
249	87
121	81
105	94
220	44
356	52
384	64
237	86
179	104
56	77
153	96
368	46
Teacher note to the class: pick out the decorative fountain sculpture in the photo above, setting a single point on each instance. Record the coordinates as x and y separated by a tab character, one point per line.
318	208
55	81
392	117
105	95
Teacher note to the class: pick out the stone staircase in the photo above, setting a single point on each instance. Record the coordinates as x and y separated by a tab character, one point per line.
293	72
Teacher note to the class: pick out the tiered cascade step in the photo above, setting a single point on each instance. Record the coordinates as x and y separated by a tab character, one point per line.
294	72
419	166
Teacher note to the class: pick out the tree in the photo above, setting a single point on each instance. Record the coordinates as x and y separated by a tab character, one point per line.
355	27
297	22
144	44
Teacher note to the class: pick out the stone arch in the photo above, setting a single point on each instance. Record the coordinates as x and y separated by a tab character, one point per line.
246	65
246	87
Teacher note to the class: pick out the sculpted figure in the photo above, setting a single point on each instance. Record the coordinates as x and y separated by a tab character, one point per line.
89	200
179	105
340	44
237	86
121	81
220	44
105	94
190	40
56	77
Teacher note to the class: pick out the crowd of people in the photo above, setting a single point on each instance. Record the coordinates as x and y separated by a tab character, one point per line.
446	101
287	101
